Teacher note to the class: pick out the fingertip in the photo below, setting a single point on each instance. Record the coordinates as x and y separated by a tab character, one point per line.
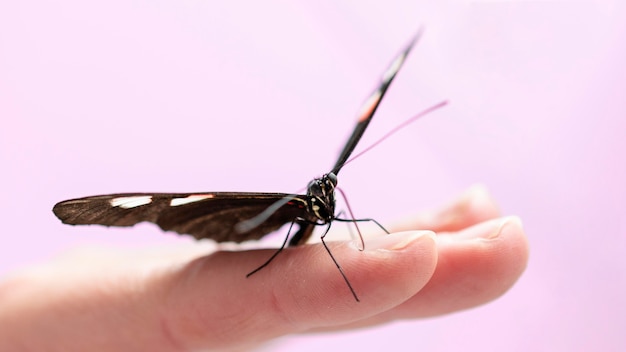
390	270
501	256
394	274
482	262
514	246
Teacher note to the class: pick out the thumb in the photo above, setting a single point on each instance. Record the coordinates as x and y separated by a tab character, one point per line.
209	303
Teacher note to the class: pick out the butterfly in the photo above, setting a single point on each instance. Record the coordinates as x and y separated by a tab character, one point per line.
238	216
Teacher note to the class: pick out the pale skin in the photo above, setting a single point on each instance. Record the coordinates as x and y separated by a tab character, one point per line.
179	300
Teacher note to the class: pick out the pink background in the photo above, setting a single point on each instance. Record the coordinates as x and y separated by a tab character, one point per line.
116	96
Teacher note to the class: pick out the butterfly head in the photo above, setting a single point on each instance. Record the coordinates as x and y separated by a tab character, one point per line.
321	197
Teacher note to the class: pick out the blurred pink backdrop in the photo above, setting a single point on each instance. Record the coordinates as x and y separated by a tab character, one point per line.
122	96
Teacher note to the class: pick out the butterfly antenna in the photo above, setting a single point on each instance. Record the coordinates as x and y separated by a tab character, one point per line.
398	128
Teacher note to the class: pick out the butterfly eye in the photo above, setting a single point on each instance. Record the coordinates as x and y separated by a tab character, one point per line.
315	189
332	178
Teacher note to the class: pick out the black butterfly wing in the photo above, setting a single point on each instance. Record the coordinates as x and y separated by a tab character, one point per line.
371	104
211	215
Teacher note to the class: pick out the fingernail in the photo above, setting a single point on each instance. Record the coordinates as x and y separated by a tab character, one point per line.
397	241
484	231
509	220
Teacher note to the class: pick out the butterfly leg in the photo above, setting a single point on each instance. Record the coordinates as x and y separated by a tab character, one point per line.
358	230
364	220
345	278
352	236
275	253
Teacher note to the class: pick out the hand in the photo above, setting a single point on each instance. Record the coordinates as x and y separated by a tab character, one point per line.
179	299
